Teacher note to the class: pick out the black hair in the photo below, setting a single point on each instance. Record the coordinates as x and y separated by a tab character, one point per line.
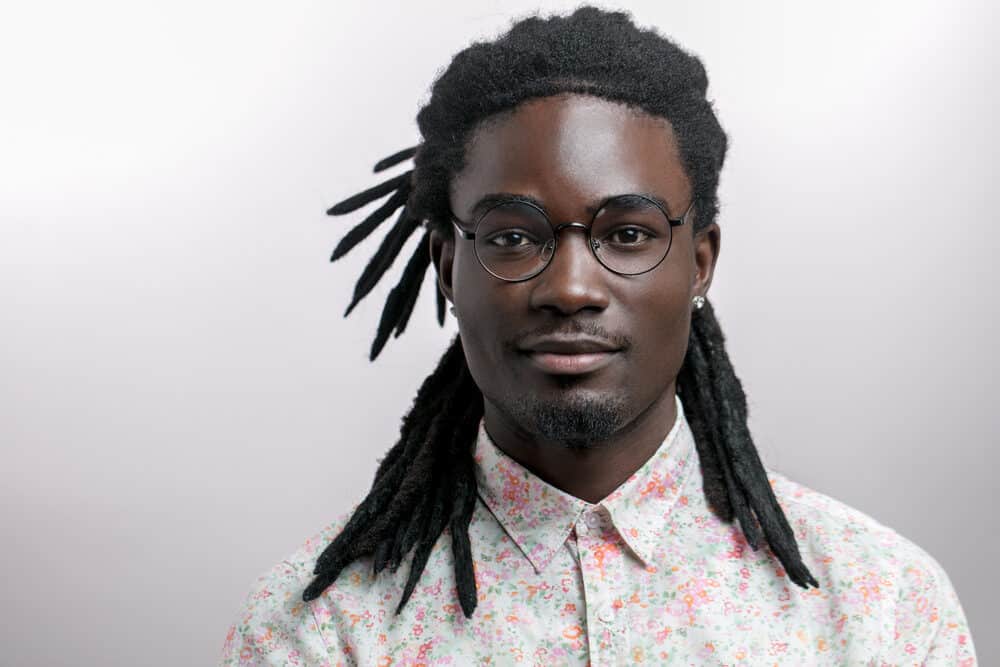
426	483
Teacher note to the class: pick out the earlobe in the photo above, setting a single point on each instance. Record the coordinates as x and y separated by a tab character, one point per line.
442	249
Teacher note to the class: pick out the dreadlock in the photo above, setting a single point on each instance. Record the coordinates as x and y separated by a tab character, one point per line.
425	483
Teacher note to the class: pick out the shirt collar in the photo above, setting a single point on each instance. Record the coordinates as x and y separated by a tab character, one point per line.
538	517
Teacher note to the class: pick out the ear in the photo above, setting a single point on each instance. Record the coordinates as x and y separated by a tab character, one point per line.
706	253
442	249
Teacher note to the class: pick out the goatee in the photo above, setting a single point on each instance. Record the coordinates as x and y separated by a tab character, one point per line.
577	422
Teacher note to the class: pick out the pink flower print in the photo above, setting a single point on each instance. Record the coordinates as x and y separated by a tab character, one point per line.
737	543
654	486
777	648
870	587
841	622
707	651
514	490
692	595
423	650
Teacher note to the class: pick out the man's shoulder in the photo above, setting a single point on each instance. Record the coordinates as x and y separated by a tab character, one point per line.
836	534
274	622
305	555
870	566
817	514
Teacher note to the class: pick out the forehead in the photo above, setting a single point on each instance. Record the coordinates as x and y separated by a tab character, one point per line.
571	151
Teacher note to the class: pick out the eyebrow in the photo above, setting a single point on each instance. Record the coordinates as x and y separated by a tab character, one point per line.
494	198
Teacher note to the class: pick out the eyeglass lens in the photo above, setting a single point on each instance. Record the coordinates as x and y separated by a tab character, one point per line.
630	235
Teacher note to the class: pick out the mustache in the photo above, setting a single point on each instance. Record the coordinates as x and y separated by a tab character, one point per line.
572	327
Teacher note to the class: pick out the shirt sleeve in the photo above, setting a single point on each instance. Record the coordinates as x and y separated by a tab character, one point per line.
275	627
930	627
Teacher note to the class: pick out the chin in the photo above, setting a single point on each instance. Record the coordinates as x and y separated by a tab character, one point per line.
576	419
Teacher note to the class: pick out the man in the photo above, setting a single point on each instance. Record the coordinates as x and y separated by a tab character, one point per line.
575	482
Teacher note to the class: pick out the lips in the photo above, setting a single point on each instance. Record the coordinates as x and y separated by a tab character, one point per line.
569	355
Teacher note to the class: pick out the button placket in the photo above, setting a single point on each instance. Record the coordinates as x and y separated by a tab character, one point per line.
606	636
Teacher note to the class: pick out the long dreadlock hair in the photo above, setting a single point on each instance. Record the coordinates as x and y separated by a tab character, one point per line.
426	483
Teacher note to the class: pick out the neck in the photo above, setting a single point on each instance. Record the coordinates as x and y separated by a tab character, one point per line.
591	473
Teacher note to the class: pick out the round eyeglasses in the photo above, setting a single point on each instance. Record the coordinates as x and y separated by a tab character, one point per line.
629	235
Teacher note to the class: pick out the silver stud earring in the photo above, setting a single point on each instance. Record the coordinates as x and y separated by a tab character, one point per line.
698	301
452	309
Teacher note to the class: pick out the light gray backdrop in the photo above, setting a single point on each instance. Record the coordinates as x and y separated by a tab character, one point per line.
181	404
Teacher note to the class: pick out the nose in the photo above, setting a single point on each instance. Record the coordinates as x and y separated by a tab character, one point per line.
573	280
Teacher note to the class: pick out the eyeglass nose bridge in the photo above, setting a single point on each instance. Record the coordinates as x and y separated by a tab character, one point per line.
550	246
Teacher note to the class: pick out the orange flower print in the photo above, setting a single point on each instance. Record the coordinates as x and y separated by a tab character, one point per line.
700	596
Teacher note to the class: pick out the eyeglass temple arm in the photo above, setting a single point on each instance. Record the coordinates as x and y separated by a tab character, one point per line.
467	235
676	222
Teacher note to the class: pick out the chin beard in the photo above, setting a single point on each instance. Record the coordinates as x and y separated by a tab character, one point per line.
577	422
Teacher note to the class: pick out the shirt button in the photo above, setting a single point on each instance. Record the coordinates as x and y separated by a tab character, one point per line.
593	520
606	615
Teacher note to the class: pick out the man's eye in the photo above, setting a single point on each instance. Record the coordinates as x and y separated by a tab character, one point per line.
628	236
511	239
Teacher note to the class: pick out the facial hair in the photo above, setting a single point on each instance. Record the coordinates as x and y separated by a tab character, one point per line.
577	422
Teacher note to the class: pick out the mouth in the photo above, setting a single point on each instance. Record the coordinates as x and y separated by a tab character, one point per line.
569	355
570	364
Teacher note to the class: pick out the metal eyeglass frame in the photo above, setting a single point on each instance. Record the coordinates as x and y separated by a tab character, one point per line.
471	236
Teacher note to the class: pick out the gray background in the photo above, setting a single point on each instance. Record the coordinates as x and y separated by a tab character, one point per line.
181	404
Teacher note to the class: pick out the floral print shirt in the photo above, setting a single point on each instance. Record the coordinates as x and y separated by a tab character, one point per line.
648	575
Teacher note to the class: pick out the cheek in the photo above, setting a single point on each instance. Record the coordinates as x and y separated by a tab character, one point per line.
661	339
468	284
480	303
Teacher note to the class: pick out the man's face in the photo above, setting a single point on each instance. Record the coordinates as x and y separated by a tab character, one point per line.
577	353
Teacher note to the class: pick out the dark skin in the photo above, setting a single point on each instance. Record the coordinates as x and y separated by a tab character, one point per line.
571	152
